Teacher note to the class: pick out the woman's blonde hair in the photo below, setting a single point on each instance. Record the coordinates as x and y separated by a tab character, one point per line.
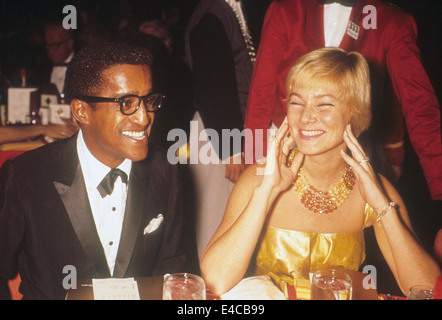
346	74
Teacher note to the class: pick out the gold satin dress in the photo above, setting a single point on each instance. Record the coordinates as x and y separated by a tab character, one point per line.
283	254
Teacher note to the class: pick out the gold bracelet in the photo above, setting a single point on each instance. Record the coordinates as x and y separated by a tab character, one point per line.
384	211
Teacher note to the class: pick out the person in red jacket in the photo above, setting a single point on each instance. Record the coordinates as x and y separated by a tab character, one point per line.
386	37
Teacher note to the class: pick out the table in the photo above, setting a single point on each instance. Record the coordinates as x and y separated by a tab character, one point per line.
151	288
358	292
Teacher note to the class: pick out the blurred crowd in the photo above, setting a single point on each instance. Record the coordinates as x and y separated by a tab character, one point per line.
33	44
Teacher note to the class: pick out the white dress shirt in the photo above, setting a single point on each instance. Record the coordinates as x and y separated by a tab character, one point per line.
108	212
58	75
336	18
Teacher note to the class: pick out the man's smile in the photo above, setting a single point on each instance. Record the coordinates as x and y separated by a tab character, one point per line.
137	135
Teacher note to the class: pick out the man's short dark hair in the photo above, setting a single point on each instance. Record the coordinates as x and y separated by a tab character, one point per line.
84	72
58	24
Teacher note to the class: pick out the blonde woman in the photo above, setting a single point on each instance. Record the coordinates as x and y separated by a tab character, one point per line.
309	208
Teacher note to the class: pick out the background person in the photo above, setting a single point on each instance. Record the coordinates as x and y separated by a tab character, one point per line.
59	45
221	54
55	131
402	92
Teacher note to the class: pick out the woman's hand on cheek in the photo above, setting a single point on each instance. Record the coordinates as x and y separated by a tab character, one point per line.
279	174
366	178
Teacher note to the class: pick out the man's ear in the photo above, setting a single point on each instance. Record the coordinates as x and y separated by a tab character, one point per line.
80	110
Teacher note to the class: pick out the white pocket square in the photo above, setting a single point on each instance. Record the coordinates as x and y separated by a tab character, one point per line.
153	224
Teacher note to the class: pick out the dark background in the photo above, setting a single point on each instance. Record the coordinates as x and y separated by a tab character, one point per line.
19	17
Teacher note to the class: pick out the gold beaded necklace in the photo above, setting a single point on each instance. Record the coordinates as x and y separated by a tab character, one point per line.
323	202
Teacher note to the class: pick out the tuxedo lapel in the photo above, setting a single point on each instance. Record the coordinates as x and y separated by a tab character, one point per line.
72	191
135	207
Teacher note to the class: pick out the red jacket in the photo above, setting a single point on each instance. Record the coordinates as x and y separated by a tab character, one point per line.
294	27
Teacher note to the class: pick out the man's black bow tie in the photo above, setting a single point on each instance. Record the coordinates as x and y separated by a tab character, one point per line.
106	185
347	3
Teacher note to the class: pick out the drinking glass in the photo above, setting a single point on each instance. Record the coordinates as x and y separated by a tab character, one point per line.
331	284
183	286
420	293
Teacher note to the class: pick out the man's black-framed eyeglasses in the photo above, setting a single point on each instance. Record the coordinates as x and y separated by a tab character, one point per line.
129	104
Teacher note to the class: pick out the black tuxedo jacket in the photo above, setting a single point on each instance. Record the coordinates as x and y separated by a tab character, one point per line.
46	222
221	67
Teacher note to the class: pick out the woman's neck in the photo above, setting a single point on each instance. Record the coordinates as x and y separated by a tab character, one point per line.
323	171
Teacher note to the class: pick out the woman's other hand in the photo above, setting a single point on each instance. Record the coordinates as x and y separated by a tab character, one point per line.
368	183
278	173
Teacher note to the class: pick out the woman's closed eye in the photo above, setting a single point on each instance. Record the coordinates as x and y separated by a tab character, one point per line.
326	105
297	104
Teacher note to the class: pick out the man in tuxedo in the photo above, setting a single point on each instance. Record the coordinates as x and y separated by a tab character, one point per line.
386	36
59	46
104	201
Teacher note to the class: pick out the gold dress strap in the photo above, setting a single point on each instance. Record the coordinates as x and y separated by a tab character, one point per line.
368	212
